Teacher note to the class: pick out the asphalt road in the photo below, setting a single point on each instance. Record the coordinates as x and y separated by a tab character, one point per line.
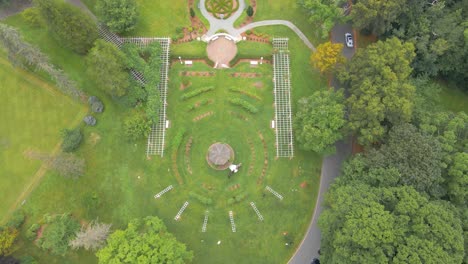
331	167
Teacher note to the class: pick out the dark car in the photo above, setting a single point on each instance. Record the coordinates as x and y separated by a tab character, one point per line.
315	261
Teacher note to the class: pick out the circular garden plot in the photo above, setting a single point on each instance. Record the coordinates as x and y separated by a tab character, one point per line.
259	212
221	8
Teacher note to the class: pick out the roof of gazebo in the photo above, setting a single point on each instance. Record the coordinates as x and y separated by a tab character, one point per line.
219	154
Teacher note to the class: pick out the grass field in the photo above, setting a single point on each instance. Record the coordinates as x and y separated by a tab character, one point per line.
32	115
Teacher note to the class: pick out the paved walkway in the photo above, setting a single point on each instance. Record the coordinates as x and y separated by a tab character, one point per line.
227	25
14	8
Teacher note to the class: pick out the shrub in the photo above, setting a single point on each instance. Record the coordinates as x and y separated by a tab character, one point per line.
244	104
119	15
136	126
192	12
71	26
33	17
16	220
28	260
194	93
178	139
58	233
71	139
250	11
197	104
31	233
238	198
7	238
202	199
249	94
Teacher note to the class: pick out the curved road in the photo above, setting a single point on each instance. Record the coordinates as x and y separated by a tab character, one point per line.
331	167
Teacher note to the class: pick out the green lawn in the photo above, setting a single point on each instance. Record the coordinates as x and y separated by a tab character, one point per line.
32	115
124	181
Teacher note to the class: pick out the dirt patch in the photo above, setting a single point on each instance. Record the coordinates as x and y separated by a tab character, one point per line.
258	85
200	117
246	75
184	86
197	73
94	138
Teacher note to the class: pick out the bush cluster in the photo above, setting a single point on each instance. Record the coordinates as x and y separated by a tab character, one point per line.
178	139
194	93
238	198
202	199
198	104
244	104
240	90
71	139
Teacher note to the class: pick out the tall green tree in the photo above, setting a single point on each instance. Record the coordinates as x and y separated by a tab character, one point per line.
58	233
72	27
119	15
324	14
380	93
144	241
376	16
106	66
458	179
319	121
363	224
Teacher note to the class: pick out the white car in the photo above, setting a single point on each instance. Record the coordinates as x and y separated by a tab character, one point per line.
349	40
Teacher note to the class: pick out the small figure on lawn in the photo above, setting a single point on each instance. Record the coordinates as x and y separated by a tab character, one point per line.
233	168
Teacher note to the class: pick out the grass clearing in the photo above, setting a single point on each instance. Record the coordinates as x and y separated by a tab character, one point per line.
33	114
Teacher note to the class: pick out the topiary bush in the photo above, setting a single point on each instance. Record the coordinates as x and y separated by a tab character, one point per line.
237	199
202	199
244	104
250	11
136	126
192	12
194	93
178	139
71	139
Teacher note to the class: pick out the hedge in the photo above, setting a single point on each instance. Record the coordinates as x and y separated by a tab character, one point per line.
194	93
244	104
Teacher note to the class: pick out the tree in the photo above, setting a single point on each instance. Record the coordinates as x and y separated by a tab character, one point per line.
324	14
74	28
458	179
380	94
68	165
7	238
136	126
92	237
250	11
192	12
71	139
319	121
363	224
119	15
145	241
327	57
22	54
376	16
408	158
58	233
106	66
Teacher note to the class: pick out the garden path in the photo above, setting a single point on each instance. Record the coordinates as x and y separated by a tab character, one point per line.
227	25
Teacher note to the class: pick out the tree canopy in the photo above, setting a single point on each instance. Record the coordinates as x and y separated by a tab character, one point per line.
119	15
106	66
72	27
376	16
388	225
324	13
327	57
380	93
144	241
319	121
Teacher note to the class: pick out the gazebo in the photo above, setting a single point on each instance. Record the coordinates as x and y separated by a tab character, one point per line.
220	156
